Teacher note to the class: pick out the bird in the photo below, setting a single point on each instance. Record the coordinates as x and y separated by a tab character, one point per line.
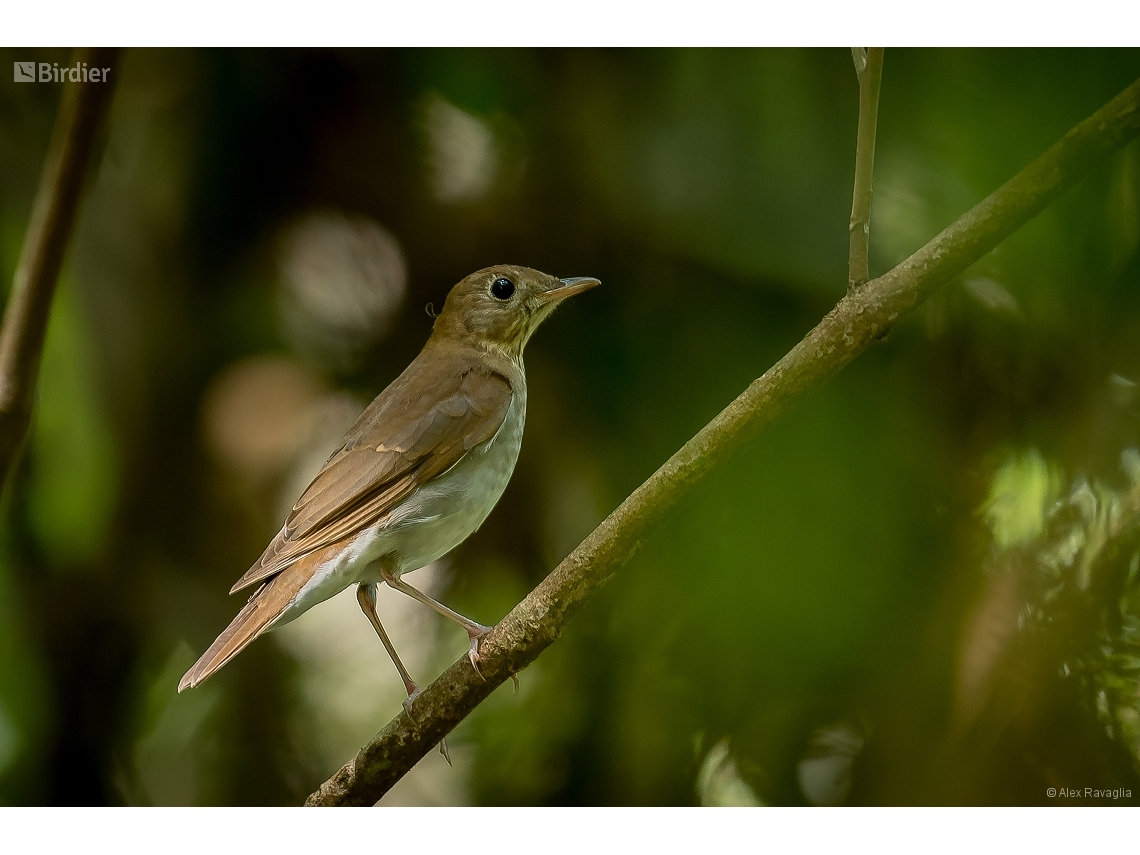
416	474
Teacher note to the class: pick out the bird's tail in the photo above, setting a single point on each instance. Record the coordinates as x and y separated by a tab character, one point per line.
263	610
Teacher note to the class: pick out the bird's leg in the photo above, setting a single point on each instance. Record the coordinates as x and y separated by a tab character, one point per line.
366	596
475	631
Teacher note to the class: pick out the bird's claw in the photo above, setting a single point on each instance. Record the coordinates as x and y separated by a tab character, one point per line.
415	693
473	655
408	701
515	680
473	652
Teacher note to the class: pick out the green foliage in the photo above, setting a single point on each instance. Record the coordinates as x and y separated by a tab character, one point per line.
1082	583
801	620
1020	495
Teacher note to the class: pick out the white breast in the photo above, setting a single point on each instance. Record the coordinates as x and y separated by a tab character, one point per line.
443	513
429	523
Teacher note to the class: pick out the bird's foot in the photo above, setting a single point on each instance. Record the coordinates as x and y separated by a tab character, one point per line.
515	680
415	692
476	635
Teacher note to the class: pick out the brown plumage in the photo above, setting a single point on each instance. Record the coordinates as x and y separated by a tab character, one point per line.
407	436
454	400
258	615
404	438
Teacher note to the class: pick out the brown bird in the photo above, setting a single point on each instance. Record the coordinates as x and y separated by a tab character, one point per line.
417	473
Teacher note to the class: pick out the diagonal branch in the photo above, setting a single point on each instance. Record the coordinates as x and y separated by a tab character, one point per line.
857	320
869	68
53	214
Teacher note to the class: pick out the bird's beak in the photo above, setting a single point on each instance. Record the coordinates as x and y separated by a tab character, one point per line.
568	288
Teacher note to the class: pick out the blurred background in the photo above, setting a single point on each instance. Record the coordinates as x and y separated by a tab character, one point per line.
921	587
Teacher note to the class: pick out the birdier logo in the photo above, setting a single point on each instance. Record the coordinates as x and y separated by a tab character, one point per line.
50	72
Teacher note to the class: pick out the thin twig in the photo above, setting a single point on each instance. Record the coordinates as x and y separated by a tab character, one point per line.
869	68
53	214
859	319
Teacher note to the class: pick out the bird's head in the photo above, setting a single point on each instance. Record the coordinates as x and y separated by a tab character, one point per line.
500	307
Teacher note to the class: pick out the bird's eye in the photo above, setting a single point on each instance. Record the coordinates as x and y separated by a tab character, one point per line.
503	288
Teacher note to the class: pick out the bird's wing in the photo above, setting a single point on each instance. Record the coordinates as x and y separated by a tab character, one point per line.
407	436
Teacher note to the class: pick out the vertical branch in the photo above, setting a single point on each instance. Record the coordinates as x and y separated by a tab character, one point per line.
869	68
53	215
